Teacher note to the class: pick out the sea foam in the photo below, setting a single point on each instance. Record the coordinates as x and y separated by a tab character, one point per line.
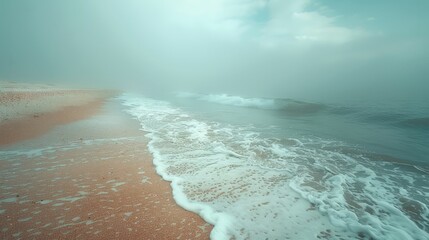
280	104
254	187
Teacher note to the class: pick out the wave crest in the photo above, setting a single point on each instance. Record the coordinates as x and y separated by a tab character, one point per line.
279	104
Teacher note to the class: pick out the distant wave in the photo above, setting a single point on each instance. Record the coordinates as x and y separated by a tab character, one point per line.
263	103
417	122
397	119
280	104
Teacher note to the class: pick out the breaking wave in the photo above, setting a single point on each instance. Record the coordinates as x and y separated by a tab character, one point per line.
280	104
254	187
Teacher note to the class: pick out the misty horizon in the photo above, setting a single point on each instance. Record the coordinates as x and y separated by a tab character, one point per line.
303	49
214	119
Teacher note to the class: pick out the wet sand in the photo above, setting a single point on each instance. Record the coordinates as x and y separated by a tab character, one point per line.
25	114
89	179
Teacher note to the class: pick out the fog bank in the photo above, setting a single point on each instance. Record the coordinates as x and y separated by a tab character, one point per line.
305	49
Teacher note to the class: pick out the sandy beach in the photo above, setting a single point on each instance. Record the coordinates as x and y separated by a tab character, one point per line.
222	120
73	165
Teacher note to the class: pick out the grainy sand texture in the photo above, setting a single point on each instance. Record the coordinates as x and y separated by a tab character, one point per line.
27	111
90	177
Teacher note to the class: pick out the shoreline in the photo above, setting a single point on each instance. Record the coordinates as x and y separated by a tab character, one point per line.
89	177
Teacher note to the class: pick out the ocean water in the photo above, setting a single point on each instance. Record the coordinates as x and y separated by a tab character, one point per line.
259	168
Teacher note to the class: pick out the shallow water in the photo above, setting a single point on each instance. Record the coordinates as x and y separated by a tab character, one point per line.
286	169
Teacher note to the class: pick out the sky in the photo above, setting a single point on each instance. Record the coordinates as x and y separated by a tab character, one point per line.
304	49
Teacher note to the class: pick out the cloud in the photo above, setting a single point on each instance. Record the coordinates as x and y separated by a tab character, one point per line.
295	22
267	22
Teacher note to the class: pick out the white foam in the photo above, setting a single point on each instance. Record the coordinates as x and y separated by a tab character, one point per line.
25	219
45	201
216	181
9	200
37	152
71	199
225	99
252	187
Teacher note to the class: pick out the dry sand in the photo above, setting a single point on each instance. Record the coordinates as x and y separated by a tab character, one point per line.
87	179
